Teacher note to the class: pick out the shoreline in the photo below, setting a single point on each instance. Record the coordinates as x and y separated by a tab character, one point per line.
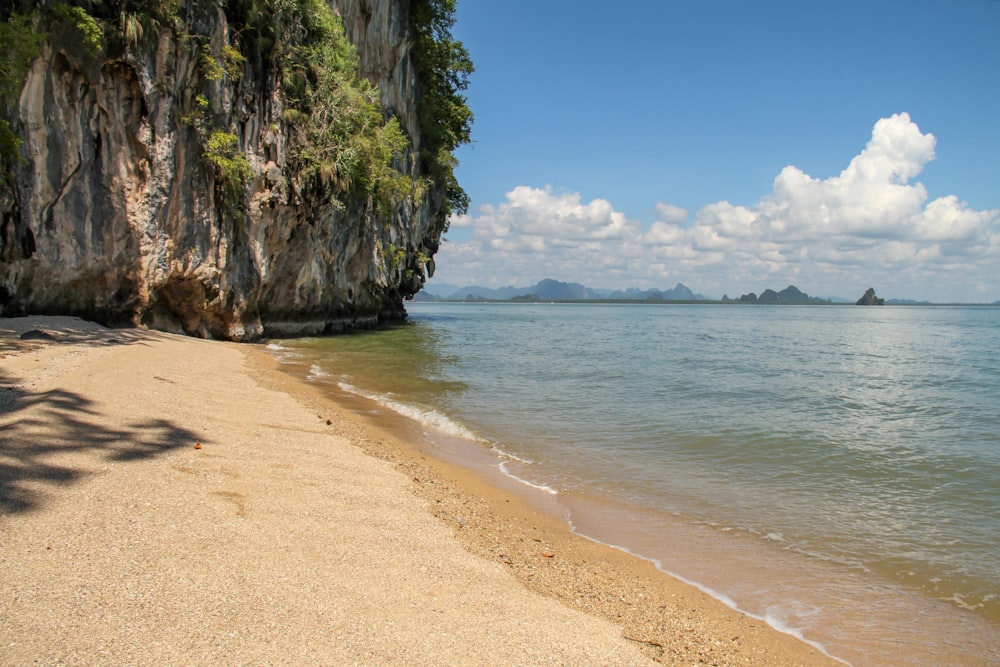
307	533
857	617
500	517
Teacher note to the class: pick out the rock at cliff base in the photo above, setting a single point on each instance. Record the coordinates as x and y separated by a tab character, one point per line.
38	334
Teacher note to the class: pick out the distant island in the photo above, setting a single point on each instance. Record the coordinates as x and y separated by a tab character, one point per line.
869	299
791	295
555	290
550	290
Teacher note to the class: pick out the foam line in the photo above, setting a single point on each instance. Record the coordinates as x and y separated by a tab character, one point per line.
725	599
541	487
431	418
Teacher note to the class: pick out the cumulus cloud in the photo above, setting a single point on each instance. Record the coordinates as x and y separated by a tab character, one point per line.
871	223
555	216
671	213
871	197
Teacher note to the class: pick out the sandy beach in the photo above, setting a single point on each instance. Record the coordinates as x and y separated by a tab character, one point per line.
167	500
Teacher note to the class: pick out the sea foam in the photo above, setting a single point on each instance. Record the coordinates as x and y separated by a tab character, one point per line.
425	416
769	618
541	487
444	424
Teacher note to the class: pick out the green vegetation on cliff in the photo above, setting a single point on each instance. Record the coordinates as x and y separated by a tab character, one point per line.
20	47
344	145
444	67
343	142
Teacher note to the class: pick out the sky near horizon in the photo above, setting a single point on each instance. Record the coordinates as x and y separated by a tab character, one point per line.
732	147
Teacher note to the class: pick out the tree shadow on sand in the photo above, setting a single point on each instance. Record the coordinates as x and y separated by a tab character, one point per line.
41	432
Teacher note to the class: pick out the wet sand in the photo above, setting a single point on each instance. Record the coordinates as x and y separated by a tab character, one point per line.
166	500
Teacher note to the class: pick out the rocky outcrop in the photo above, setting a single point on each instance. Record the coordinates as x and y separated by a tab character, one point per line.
869	299
790	296
114	215
678	292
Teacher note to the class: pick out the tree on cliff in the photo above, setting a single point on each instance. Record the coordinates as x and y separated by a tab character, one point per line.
20	46
344	138
444	66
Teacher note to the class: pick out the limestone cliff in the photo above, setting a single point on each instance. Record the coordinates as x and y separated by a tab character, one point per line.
113	213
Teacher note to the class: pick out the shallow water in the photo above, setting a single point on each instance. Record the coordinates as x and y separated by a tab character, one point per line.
835	470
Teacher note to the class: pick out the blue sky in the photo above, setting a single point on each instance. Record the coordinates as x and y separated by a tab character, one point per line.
733	146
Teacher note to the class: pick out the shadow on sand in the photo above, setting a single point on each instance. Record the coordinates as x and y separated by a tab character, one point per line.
40	431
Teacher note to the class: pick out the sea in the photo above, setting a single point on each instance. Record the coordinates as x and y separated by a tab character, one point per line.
832	470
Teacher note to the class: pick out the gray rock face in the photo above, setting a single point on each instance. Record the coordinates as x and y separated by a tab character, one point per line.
115	216
869	298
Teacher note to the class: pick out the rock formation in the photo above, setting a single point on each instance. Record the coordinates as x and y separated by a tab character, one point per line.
113	213
790	296
869	298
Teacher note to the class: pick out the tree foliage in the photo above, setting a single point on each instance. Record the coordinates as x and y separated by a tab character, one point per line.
444	66
222	150
345	145
91	35
20	47
344	138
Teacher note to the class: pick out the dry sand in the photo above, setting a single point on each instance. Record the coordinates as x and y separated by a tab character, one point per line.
167	500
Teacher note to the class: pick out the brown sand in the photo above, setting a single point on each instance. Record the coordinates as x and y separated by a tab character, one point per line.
297	533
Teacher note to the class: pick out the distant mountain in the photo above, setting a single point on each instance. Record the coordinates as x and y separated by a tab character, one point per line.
436	291
554	290
424	295
791	295
678	292
446	292
475	293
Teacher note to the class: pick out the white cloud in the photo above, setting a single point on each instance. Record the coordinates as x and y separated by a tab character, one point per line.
870	198
870	224
671	213
555	216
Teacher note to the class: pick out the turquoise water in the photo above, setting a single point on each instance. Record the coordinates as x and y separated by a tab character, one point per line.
834	470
